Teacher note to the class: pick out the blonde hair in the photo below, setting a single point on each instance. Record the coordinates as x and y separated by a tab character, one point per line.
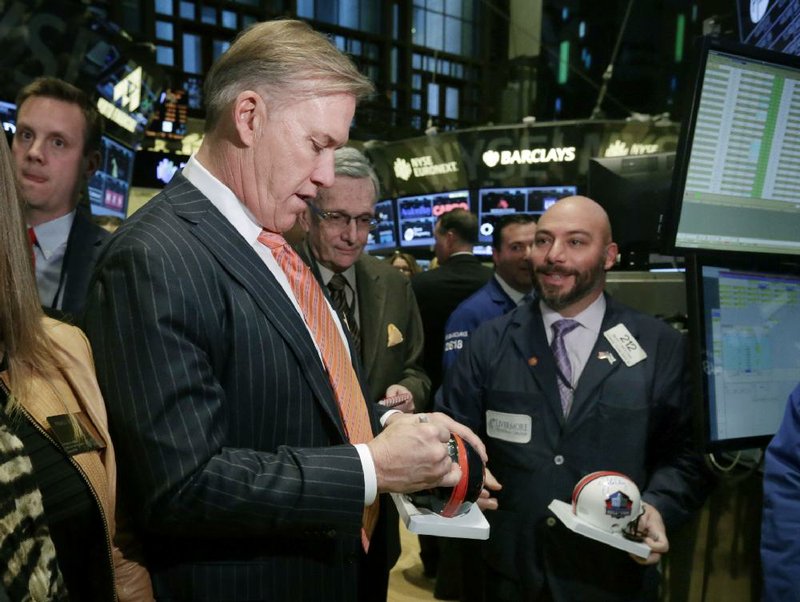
25	343
283	56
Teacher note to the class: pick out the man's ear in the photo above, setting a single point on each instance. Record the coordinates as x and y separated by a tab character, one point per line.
612	250
249	111
92	163
450	237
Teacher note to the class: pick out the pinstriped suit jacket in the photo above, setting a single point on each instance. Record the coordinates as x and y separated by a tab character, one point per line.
231	451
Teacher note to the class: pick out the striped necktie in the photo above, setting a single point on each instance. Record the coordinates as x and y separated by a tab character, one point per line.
342	376
564	377
338	286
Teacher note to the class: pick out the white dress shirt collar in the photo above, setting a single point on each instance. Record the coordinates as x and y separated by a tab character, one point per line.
223	199
54	234
590	318
349	275
513	293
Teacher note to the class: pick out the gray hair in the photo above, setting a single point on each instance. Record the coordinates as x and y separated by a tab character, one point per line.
284	57
351	163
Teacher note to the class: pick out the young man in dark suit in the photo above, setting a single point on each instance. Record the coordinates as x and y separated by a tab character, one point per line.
246	450
375	300
378	298
511	285
566	386
439	291
56	150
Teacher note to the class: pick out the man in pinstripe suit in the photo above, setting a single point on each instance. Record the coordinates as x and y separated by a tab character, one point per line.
232	453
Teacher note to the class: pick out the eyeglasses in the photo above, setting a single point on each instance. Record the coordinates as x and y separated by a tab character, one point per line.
340	220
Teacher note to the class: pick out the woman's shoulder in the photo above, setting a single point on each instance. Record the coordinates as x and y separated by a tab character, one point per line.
68	342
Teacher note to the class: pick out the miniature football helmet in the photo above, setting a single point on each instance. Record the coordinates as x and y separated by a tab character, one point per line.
455	501
609	501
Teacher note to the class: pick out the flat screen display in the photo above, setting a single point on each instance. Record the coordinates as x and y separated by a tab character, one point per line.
127	96
384	236
168	120
635	192
747	332
494	203
737	181
108	187
772	24
8	118
417	215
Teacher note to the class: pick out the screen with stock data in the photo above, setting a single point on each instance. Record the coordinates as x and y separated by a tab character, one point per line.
417	215
494	203
109	186
739	186
751	352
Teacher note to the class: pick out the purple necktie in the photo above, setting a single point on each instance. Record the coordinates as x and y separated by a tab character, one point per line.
560	329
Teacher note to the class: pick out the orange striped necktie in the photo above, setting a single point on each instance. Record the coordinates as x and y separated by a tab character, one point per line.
342	376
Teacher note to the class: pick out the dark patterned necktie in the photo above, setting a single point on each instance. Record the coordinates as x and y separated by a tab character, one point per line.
338	287
560	329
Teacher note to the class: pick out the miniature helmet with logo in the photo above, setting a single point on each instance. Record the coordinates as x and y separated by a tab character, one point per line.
609	501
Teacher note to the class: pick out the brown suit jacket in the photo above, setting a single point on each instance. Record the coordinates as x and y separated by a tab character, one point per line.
391	331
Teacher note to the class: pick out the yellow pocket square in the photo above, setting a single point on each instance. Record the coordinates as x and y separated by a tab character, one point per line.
395	336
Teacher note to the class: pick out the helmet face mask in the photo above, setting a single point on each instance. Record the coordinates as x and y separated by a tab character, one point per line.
609	501
631	530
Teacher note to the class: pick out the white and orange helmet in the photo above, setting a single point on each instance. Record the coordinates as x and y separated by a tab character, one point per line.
609	501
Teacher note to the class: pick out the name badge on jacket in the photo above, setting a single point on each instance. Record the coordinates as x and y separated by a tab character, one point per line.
75	437
625	344
514	428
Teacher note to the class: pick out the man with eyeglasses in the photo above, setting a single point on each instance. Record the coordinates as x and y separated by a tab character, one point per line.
377	303
375	300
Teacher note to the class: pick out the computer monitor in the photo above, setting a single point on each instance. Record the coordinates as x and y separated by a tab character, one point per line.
8	117
540	198
384	236
745	323
169	119
736	186
109	186
494	203
635	192
772	24
417	215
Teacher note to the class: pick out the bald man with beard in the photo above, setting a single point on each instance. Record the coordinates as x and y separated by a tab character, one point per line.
608	409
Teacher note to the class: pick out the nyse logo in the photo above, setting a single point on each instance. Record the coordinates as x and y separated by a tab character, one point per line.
422	167
402	169
618	148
